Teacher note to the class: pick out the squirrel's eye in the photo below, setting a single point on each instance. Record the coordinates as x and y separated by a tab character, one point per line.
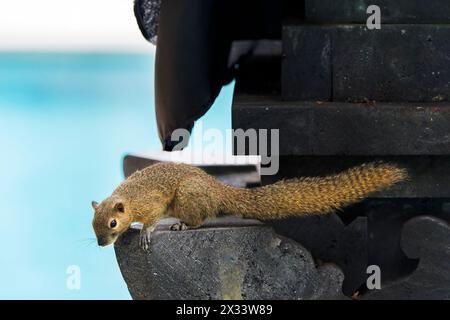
113	223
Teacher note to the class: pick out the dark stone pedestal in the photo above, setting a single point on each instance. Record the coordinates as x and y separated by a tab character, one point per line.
225	259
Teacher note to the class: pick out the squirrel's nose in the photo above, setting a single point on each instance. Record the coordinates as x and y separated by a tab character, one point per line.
102	242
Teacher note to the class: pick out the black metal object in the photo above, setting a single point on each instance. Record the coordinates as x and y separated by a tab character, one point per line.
193	49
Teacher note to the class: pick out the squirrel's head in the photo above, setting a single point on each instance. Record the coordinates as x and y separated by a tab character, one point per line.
111	218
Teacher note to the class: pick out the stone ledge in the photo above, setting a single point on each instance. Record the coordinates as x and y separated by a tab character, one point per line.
333	128
233	261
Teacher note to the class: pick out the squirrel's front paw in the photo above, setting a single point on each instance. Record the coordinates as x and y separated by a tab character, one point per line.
145	237
180	226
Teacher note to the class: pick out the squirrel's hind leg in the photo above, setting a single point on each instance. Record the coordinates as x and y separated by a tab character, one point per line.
182	226
179	226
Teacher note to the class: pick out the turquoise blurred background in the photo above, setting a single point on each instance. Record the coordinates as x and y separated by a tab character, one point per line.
66	121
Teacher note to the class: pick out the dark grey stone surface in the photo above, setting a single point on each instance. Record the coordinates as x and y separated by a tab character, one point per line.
427	239
386	219
306	65
398	11
329	239
227	262
395	63
309	128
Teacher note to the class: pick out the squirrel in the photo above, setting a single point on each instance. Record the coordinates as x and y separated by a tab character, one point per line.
191	195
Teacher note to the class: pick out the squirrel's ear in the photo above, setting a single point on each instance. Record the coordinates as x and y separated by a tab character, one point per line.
119	207
94	205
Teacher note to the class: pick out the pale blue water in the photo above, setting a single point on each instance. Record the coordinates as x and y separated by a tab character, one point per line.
66	121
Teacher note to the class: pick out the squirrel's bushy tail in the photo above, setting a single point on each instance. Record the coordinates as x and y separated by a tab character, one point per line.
312	195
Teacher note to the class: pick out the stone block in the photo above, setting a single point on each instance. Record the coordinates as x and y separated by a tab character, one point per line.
226	262
324	129
350	63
